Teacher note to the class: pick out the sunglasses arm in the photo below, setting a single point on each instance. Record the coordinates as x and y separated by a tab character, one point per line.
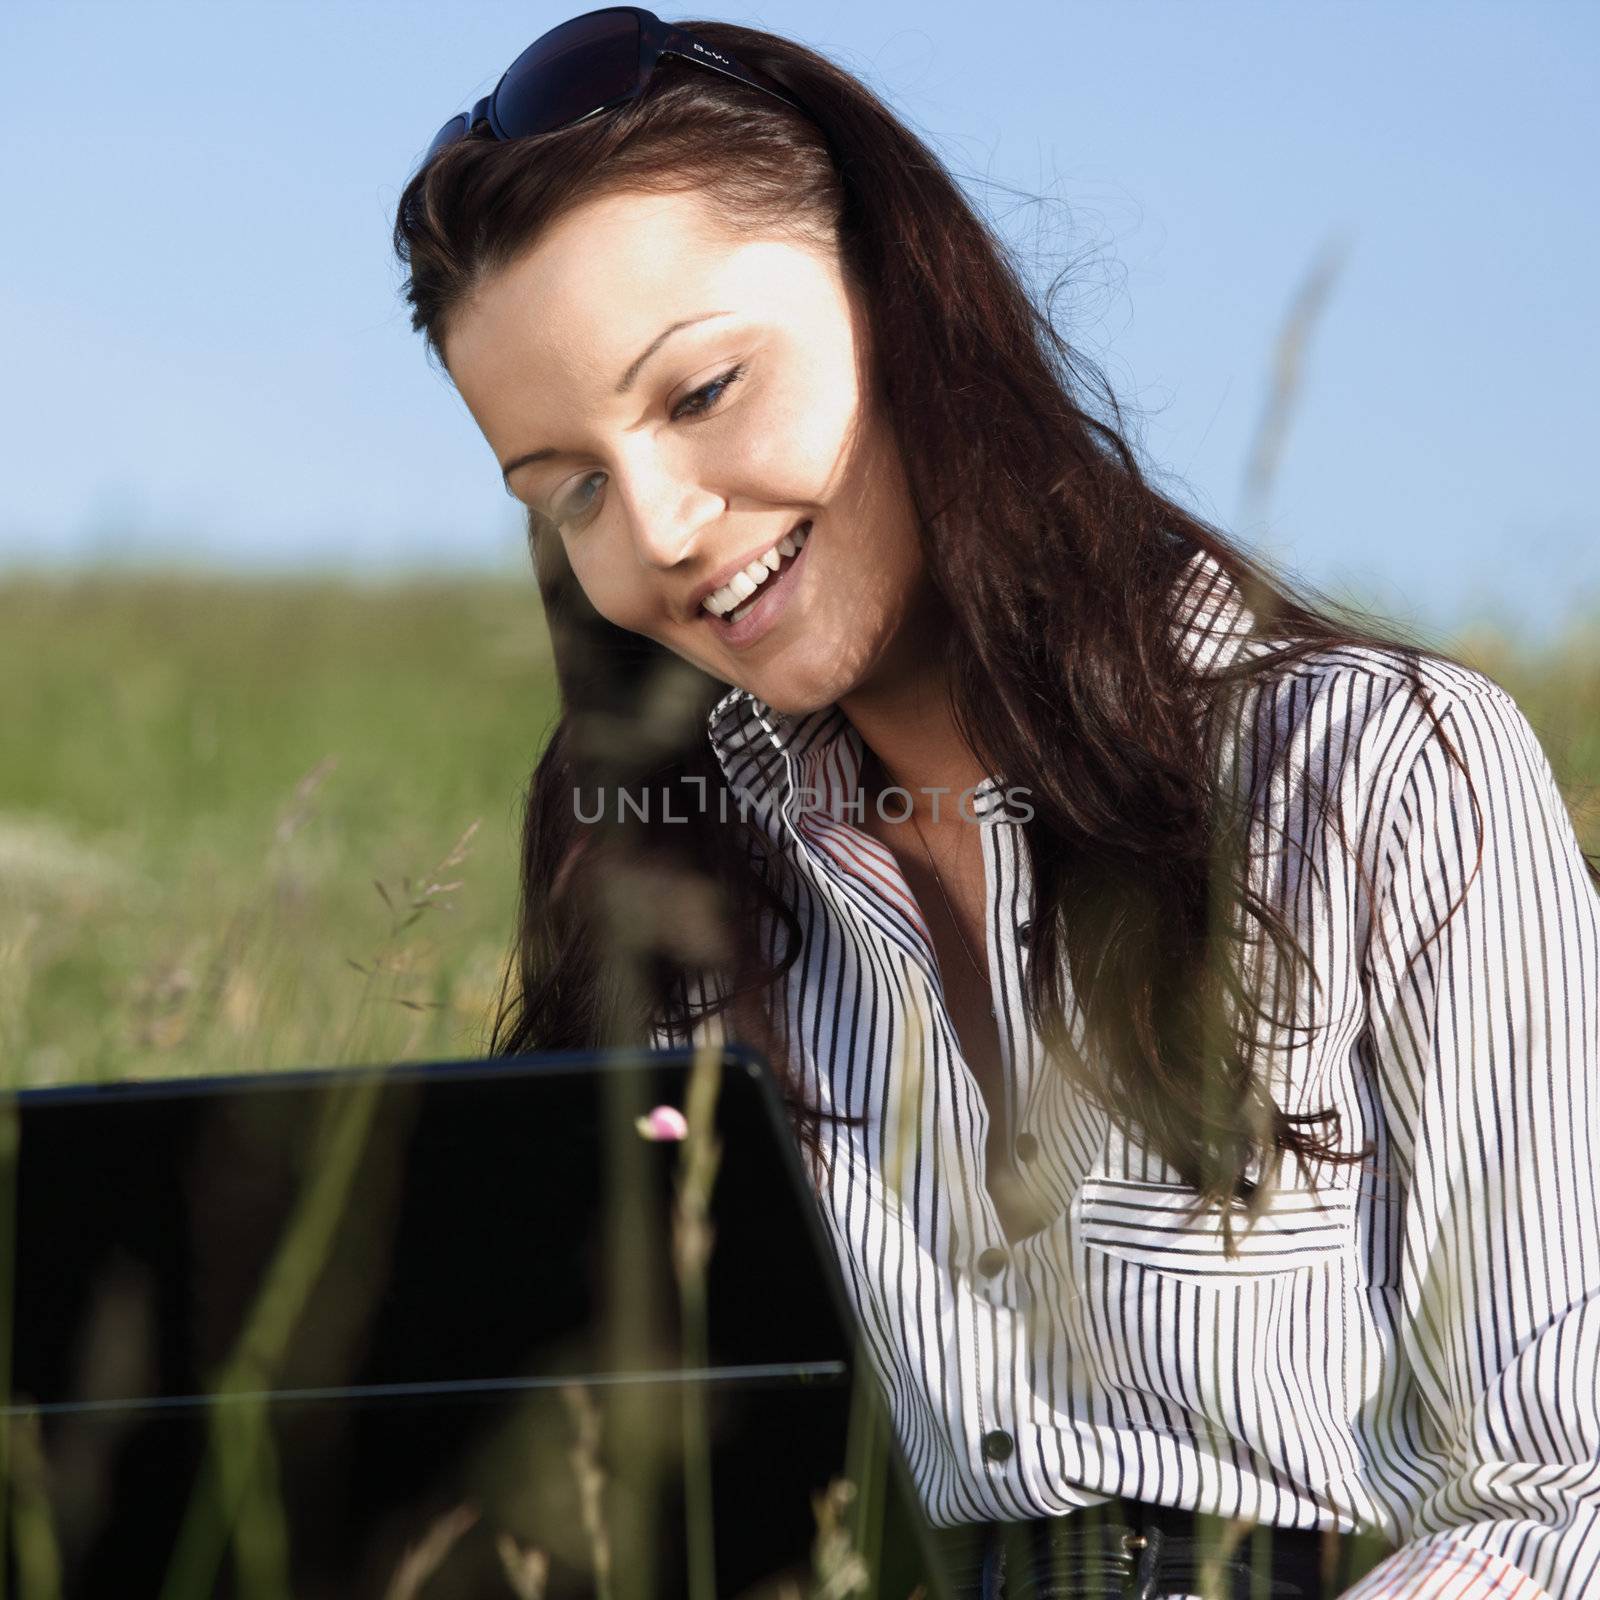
677	42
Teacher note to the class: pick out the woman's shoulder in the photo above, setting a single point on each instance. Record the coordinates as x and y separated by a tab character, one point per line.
1376	705
1331	667
1288	687
1348	744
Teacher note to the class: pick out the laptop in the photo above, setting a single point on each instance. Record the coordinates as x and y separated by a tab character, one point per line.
467	1328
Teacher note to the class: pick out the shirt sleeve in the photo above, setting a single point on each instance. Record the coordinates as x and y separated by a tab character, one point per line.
1485	1023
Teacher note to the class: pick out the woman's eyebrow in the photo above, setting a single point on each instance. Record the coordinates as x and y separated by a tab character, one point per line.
656	343
623	386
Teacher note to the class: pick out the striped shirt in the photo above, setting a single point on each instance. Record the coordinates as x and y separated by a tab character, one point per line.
1411	1345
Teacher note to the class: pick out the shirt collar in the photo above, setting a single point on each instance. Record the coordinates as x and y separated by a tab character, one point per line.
771	756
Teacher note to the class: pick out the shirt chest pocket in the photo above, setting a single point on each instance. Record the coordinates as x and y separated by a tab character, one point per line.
1255	1346
1155	1227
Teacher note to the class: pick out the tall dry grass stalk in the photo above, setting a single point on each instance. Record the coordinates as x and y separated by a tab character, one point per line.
21	1460
692	1240
10	1458
837	1566
237	1501
422	1560
1287	380
588	1472
38	1556
238	1498
527	1570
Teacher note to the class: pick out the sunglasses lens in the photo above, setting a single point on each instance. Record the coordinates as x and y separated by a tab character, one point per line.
454	129
574	69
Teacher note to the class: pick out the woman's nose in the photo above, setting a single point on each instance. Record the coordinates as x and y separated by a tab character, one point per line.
669	517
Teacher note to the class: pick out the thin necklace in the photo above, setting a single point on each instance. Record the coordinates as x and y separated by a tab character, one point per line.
983	977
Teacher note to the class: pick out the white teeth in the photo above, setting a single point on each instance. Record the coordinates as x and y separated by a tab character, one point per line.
744	584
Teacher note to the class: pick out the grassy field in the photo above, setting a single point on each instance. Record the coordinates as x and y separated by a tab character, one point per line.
219	799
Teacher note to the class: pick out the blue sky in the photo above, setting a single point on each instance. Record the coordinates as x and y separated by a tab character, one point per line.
208	359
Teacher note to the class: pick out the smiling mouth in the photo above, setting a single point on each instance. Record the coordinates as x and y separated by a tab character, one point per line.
740	595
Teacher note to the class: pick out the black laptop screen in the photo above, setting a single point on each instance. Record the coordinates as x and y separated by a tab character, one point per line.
360	1304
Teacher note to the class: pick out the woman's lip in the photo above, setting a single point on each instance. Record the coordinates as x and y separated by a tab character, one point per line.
765	612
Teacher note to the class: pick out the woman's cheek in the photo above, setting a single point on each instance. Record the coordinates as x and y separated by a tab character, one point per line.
607	586
795	441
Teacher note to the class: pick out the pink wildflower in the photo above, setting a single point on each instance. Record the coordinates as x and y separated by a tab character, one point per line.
663	1122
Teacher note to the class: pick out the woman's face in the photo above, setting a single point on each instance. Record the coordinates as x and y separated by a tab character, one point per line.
679	399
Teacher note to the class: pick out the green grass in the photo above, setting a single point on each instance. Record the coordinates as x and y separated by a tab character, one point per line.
168	905
200	782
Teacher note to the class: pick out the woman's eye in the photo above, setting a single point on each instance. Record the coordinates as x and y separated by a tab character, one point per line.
569	510
708	396
704	400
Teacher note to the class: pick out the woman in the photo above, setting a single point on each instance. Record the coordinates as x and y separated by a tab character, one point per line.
832	527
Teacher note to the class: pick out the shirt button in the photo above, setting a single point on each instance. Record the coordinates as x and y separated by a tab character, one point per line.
1024	932
998	1445
1027	1147
991	1261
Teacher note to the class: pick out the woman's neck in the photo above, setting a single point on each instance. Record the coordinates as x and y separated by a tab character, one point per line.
904	718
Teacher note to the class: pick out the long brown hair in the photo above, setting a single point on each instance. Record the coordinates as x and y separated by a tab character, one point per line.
1057	560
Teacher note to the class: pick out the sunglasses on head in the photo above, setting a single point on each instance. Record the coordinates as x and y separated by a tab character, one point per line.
588	65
